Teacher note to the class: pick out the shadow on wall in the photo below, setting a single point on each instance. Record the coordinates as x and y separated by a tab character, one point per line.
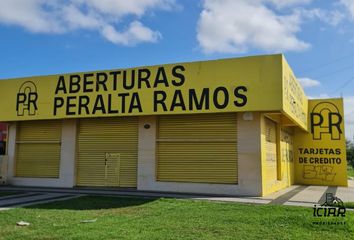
94	203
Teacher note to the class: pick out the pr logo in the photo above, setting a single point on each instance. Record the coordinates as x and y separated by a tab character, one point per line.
326	119
27	99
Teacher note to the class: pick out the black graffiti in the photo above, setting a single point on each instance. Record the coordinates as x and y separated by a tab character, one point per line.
322	172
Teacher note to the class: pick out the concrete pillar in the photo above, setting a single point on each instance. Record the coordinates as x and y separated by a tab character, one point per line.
68	153
249	153
11	150
146	154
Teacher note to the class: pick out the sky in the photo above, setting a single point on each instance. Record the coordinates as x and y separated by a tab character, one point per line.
42	37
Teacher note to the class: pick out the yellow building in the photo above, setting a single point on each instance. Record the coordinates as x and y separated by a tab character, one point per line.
240	126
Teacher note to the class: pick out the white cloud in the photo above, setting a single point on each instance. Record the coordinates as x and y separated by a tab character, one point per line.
229	26
349	4
308	82
28	14
135	33
120	8
103	16
288	3
73	18
332	17
349	117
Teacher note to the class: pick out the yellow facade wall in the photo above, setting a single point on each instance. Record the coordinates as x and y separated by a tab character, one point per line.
295	102
276	173
227	85
264	84
320	152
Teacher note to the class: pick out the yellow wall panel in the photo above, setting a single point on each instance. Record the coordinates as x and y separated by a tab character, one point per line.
270	132
320	153
227	85
277	167
287	155
295	102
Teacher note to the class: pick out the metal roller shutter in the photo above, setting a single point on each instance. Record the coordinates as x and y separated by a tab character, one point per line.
107	152
199	148
38	149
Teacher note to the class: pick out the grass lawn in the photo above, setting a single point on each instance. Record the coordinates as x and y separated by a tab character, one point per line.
349	205
138	218
350	171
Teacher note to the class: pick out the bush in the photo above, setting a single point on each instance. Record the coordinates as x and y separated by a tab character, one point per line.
350	153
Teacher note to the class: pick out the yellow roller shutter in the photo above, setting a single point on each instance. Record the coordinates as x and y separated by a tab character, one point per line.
199	148
107	152
38	149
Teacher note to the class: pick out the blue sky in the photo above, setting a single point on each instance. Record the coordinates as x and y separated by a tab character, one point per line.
40	37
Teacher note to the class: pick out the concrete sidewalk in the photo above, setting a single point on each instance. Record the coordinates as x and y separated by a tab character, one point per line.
310	195
31	198
295	195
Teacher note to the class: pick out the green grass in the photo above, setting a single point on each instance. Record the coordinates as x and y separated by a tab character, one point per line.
138	218
346	204
350	171
349	205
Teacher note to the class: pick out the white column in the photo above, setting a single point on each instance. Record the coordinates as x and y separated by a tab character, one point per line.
146	155
11	151
249	154
68	153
